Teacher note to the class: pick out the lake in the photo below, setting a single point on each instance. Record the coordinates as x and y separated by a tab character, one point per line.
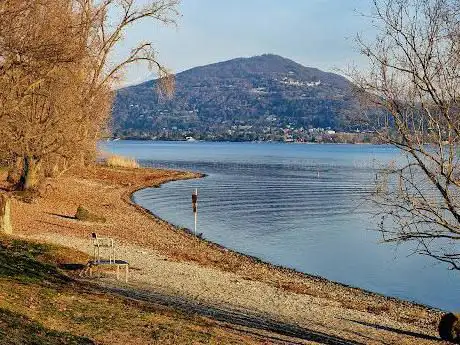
300	206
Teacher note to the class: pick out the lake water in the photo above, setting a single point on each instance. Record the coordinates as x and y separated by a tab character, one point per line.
299	206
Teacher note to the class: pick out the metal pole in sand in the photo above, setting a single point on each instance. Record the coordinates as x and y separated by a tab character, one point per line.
195	207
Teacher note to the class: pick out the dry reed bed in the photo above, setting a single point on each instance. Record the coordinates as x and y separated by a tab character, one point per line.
116	161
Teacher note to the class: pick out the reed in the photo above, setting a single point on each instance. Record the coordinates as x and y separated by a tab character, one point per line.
116	161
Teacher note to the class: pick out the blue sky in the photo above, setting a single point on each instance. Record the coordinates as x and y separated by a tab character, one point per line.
315	33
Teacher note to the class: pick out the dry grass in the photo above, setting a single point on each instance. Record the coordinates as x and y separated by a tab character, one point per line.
40	304
116	161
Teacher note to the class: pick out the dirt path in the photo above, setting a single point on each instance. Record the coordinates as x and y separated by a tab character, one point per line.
172	268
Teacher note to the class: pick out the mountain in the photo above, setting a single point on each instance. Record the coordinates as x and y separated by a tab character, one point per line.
253	96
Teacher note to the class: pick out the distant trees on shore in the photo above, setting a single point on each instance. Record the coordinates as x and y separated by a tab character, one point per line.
57	76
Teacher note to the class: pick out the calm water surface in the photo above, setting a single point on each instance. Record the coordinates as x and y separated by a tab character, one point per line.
300	206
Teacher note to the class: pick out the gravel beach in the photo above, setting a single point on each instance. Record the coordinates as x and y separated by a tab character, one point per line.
172	267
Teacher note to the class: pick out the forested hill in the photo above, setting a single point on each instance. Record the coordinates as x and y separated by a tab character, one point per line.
259	94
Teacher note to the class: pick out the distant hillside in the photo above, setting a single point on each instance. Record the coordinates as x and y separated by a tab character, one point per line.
258	94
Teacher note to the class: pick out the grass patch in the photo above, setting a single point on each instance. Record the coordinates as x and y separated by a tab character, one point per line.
19	260
19	329
42	304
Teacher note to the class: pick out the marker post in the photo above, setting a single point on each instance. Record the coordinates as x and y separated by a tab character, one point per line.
195	207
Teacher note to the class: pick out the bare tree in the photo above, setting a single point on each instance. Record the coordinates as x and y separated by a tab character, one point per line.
38	59
414	82
105	24
56	77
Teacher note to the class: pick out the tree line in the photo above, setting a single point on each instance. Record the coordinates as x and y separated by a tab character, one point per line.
57	76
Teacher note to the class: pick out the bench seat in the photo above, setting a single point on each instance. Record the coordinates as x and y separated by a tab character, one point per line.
117	263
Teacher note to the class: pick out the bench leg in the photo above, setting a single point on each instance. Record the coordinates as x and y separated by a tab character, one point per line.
118	272
126	273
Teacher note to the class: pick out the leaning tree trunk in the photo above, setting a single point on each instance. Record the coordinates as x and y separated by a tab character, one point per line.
30	176
5	214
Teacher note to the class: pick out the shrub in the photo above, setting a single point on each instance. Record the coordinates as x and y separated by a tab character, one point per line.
86	216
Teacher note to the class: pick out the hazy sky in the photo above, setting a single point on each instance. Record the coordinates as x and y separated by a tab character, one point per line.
315	33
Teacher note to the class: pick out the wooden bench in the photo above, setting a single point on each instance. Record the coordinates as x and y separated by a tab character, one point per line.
109	263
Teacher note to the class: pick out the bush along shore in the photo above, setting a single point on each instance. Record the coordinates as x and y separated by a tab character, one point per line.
182	289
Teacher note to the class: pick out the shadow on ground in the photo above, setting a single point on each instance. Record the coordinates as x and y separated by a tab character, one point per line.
395	330
18	329
62	216
18	260
232	319
72	267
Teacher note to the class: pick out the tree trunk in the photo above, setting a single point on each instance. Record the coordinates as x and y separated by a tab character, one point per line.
30	177
14	173
5	215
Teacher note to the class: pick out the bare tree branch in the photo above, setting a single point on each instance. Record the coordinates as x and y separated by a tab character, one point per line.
414	84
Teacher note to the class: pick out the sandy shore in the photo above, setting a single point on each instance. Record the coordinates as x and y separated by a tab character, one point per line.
207	278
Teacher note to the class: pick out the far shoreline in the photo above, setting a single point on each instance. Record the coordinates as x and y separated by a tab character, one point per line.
133	139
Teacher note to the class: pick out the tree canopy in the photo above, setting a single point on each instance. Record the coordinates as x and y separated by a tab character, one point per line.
57	77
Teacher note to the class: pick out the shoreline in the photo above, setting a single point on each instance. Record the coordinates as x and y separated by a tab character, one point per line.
257	260
211	272
250	142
